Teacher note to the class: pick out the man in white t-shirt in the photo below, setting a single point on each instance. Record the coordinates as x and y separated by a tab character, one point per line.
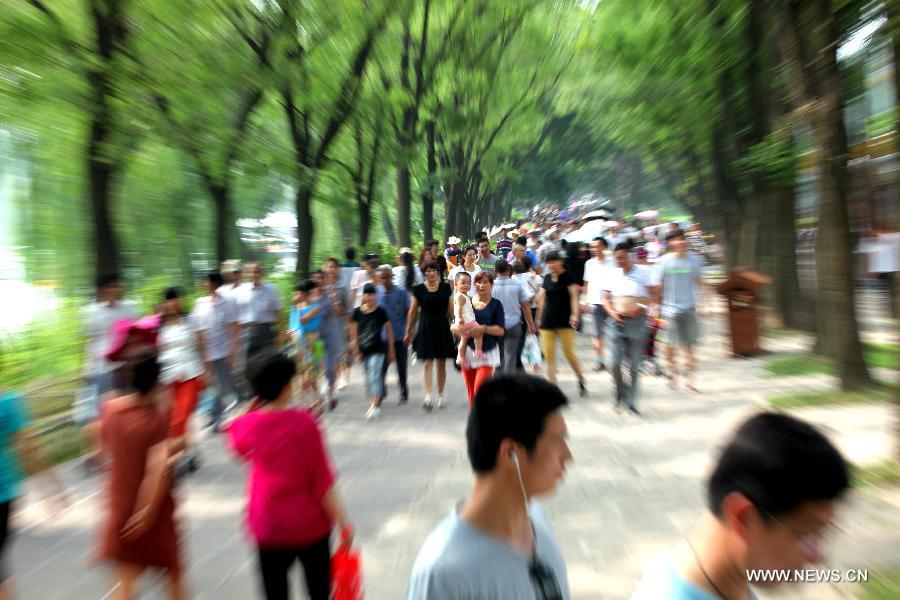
626	300
597	272
99	318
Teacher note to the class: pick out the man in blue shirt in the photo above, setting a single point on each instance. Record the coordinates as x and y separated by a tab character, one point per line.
516	301
395	301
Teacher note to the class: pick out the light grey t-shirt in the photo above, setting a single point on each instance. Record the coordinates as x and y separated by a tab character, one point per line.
460	562
679	280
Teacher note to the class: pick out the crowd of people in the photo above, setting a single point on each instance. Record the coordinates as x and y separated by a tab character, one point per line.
495	316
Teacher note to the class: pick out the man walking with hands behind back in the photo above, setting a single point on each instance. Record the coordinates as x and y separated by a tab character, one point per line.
625	301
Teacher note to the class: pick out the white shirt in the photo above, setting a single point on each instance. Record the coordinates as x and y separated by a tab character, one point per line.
214	319
885	255
99	318
400	276
361	278
451	278
596	275
178	356
635	284
533	282
260	304
238	294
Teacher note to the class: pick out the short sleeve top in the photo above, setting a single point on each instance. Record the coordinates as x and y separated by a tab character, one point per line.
557	303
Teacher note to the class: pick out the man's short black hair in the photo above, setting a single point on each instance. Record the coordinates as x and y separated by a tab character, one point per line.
626	246
305	285
215	279
518	268
270	374
431	243
522	241
509	406
350	253
678	233
777	462
501	266
602	240
526	262
107	279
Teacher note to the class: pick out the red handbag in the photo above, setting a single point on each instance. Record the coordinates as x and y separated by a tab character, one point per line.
346	572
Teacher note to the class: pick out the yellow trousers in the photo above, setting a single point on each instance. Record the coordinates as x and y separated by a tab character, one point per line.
548	345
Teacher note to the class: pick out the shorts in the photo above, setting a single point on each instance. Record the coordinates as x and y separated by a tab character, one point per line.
680	329
310	356
600	316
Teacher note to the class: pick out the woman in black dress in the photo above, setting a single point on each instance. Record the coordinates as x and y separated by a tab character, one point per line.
433	342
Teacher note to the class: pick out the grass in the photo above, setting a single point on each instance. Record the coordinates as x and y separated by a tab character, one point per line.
778	334
880	393
877	356
882	585
883	474
886	356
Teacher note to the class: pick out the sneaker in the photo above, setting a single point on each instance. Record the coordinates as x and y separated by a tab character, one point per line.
426	403
633	410
373	413
582	388
442	402
404	396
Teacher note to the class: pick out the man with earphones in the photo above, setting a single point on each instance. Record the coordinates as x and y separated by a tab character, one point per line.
497	544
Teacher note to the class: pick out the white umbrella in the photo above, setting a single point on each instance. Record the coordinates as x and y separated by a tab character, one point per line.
587	232
646	215
596	214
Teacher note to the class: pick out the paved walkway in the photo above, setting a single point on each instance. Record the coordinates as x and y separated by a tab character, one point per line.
634	490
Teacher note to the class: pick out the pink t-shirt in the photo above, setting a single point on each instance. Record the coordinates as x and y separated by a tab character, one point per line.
289	473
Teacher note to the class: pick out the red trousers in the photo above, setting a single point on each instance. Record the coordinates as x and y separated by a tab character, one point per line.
185	395
474	379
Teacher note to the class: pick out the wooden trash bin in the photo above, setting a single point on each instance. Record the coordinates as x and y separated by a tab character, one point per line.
741	290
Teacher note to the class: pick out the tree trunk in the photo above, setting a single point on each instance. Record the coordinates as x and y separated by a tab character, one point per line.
404	201
365	223
428	194
102	165
305	226
834	254
388	226
794	308
221	198
100	178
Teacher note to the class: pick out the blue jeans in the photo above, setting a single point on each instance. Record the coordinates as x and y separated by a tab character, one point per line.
374	383
224	385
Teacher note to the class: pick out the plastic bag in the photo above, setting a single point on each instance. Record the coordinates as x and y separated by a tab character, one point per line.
531	352
346	571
